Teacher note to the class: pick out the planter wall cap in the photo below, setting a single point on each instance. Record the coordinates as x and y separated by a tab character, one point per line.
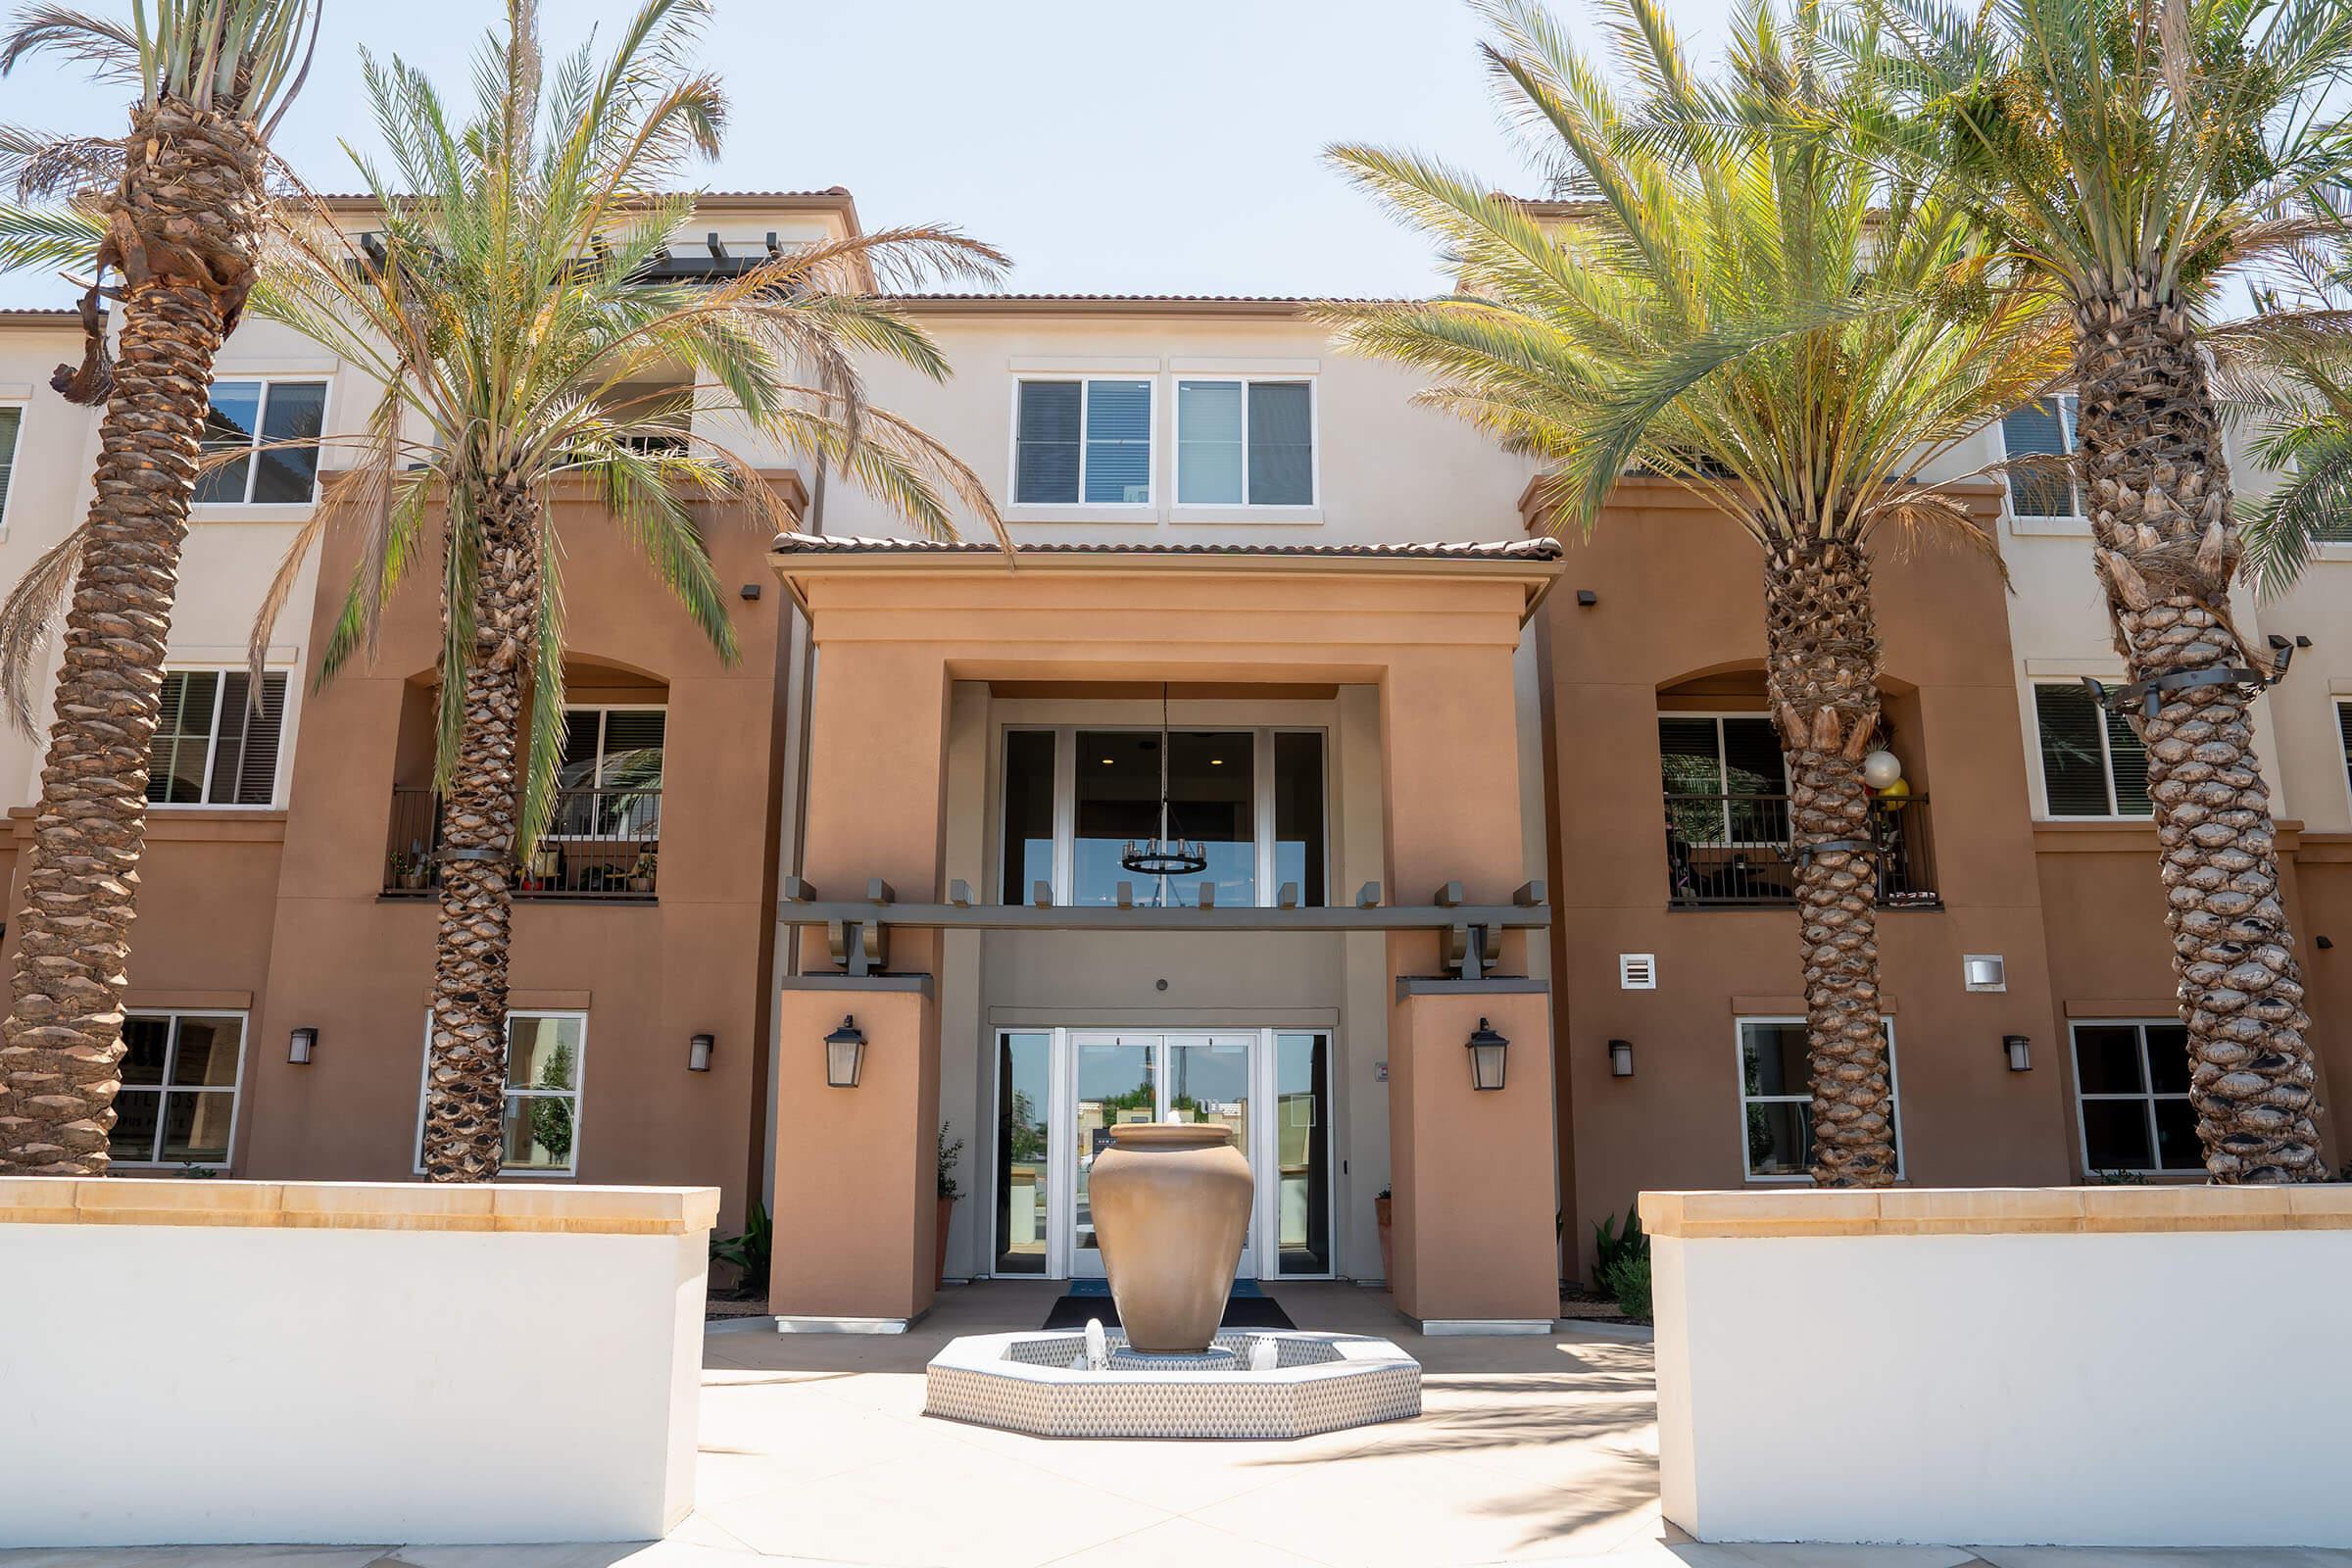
358	1205
1996	1211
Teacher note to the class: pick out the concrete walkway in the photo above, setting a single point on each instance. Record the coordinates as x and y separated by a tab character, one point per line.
815	1451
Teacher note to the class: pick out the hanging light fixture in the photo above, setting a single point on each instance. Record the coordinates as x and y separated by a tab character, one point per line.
1164	855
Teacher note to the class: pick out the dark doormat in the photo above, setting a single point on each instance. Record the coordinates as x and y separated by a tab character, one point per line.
1255	1310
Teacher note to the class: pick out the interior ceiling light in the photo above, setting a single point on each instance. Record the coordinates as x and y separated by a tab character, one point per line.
1164	855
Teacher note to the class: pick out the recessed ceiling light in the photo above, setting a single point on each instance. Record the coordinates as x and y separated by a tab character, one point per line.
1217	762
1106	761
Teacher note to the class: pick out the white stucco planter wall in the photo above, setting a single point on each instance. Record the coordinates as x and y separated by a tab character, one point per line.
196	1361
2063	1366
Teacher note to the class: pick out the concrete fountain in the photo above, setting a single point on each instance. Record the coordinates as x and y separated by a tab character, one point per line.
1171	1205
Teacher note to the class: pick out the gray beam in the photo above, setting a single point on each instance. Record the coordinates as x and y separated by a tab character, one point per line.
1109	917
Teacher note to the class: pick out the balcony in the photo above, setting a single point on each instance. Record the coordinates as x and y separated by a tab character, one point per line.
1732	851
600	844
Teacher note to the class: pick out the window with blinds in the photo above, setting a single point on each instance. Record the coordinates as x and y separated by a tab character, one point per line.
1724	778
1245	443
213	744
611	776
2043	429
1083	442
2343	730
2092	762
11	421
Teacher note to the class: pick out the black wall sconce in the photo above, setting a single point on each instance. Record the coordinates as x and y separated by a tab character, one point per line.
698	1053
1487	1052
1621	1058
2019	1048
845	1054
301	1046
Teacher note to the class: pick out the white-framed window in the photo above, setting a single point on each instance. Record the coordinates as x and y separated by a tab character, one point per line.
2042	428
214	745
1082	441
1724	776
178	1101
541	1131
1776	1098
609	779
2131	1097
1253	799
1245	441
2094	763
249	415
2343	731
12	429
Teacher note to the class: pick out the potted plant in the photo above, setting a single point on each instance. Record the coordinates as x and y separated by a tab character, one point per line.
410	867
950	1151
545	864
641	875
1381	1208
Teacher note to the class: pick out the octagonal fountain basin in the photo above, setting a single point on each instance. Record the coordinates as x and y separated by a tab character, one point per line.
1309	1382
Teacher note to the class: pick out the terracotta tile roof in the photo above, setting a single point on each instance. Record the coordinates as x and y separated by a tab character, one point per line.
810	544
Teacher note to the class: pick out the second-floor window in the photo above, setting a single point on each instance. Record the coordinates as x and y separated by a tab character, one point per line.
1252	798
1245	443
1724	778
213	746
611	775
249	415
11	421
2042	430
2092	764
1083	442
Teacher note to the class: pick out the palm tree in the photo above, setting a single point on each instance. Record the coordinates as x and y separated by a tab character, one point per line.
174	208
1741	308
509	311
2128	154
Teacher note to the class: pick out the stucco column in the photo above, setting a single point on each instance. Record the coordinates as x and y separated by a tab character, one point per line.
1472	1172
855	1203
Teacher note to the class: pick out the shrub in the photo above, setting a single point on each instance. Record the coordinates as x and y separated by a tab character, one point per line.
1612	1246
1628	1281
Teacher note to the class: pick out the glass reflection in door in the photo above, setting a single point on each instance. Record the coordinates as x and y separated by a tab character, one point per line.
1303	1152
1024	1149
1115	1085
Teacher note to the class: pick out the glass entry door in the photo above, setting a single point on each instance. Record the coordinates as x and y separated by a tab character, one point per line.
1127	1077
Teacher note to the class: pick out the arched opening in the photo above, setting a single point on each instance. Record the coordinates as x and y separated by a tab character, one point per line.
603	830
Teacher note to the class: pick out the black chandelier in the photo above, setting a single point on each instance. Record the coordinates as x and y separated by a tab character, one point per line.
1167	855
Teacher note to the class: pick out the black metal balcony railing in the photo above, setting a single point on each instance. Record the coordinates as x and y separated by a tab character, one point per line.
600	844
1733	850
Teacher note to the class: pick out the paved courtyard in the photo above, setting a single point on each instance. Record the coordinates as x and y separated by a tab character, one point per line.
815	1451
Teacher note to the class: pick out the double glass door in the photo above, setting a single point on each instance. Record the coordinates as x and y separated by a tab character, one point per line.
1060	1092
1156	1077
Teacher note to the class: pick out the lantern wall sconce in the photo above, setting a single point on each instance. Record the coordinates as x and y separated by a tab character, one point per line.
2019	1048
1487	1052
1621	1058
845	1054
698	1053
301	1046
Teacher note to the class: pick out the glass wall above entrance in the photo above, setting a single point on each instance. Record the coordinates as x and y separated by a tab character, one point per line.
1253	798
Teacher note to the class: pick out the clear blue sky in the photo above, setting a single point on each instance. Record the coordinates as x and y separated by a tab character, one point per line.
1147	146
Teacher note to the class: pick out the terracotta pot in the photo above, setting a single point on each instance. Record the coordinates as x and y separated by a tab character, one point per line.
1388	1244
1171	1207
947	1212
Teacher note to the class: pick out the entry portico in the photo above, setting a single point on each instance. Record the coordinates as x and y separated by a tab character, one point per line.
1371	903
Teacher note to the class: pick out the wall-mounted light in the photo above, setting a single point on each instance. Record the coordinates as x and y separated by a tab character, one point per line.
845	1054
698	1053
1487	1051
1621	1058
1984	972
301	1045
2020	1052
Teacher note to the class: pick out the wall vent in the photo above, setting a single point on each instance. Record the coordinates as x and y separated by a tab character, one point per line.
1637	971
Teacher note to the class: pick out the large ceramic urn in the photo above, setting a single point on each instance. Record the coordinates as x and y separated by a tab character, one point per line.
1171	1207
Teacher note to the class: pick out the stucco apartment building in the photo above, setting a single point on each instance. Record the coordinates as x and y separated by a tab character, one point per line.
1445	778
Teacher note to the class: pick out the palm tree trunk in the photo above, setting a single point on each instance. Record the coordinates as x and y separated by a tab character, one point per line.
465	1102
1822	680
2157	485
186	226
